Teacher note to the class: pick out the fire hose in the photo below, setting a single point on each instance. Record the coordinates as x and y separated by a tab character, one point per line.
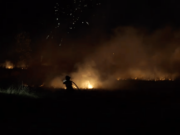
75	85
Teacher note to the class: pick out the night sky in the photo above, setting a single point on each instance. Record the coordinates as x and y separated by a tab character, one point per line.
37	18
79	17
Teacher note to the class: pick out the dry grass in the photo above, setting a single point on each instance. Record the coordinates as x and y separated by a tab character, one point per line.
21	91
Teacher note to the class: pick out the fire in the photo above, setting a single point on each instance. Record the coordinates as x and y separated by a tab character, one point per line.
89	85
147	79
8	65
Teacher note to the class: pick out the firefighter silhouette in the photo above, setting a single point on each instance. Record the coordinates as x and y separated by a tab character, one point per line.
69	83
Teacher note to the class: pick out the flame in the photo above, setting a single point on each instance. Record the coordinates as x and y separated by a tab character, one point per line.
9	65
89	85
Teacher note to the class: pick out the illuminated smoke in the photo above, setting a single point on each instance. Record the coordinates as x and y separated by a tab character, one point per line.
8	65
128	53
132	54
22	65
56	83
87	76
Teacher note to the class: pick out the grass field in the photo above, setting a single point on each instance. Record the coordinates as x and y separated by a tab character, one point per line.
91	111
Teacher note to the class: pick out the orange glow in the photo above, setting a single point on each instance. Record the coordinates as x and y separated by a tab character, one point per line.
42	85
8	65
147	79
74	86
90	86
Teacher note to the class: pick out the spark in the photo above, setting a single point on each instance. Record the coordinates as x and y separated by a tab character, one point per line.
69	11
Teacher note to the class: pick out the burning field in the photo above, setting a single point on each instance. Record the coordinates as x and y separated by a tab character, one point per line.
131	78
127	54
122	59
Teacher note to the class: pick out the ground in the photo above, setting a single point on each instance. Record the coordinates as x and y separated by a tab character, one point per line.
91	112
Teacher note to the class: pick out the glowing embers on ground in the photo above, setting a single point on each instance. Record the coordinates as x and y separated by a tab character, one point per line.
145	79
10	65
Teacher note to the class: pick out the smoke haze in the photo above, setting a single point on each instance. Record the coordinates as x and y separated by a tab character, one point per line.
131	53
99	59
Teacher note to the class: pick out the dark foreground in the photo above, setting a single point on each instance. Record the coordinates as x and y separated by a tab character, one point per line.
137	111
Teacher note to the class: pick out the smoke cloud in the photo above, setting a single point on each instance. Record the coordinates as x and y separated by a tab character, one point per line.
99	59
131	53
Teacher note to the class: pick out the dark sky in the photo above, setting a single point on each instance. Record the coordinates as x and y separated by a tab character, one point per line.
79	17
35	16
